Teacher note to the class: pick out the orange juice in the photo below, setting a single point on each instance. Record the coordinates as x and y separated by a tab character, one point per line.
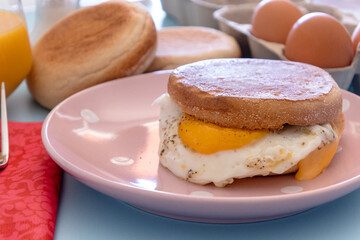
15	51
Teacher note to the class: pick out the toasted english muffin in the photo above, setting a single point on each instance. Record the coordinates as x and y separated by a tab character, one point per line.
256	93
182	45
93	45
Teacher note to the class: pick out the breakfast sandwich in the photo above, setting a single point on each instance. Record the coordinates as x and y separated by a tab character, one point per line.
226	119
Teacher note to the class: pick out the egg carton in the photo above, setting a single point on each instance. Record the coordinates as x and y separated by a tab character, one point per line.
236	21
200	12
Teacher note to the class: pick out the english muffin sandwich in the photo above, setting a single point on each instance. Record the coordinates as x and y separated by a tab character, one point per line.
225	119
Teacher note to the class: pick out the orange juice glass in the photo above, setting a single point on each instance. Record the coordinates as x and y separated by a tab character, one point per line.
15	50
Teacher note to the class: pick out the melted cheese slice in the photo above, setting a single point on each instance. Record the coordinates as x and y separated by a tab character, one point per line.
208	138
316	162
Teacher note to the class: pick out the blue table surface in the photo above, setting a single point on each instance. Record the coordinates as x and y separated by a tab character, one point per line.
84	213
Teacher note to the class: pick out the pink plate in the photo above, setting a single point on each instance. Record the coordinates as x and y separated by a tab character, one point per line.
107	137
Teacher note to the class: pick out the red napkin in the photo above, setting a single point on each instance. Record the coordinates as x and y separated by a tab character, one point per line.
29	186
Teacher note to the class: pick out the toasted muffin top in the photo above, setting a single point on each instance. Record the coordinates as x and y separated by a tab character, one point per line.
256	93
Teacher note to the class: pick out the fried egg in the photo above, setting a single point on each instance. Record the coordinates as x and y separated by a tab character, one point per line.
204	153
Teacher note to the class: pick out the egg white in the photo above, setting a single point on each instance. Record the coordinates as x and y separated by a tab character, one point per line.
276	153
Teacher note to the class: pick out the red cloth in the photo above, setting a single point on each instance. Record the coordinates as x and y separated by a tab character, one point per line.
29	186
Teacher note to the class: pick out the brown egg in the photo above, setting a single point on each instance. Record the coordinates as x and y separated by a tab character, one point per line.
273	19
321	40
356	38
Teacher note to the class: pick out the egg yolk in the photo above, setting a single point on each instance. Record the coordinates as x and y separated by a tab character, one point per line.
208	138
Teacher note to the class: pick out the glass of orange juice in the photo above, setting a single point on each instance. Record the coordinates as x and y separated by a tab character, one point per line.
15	50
